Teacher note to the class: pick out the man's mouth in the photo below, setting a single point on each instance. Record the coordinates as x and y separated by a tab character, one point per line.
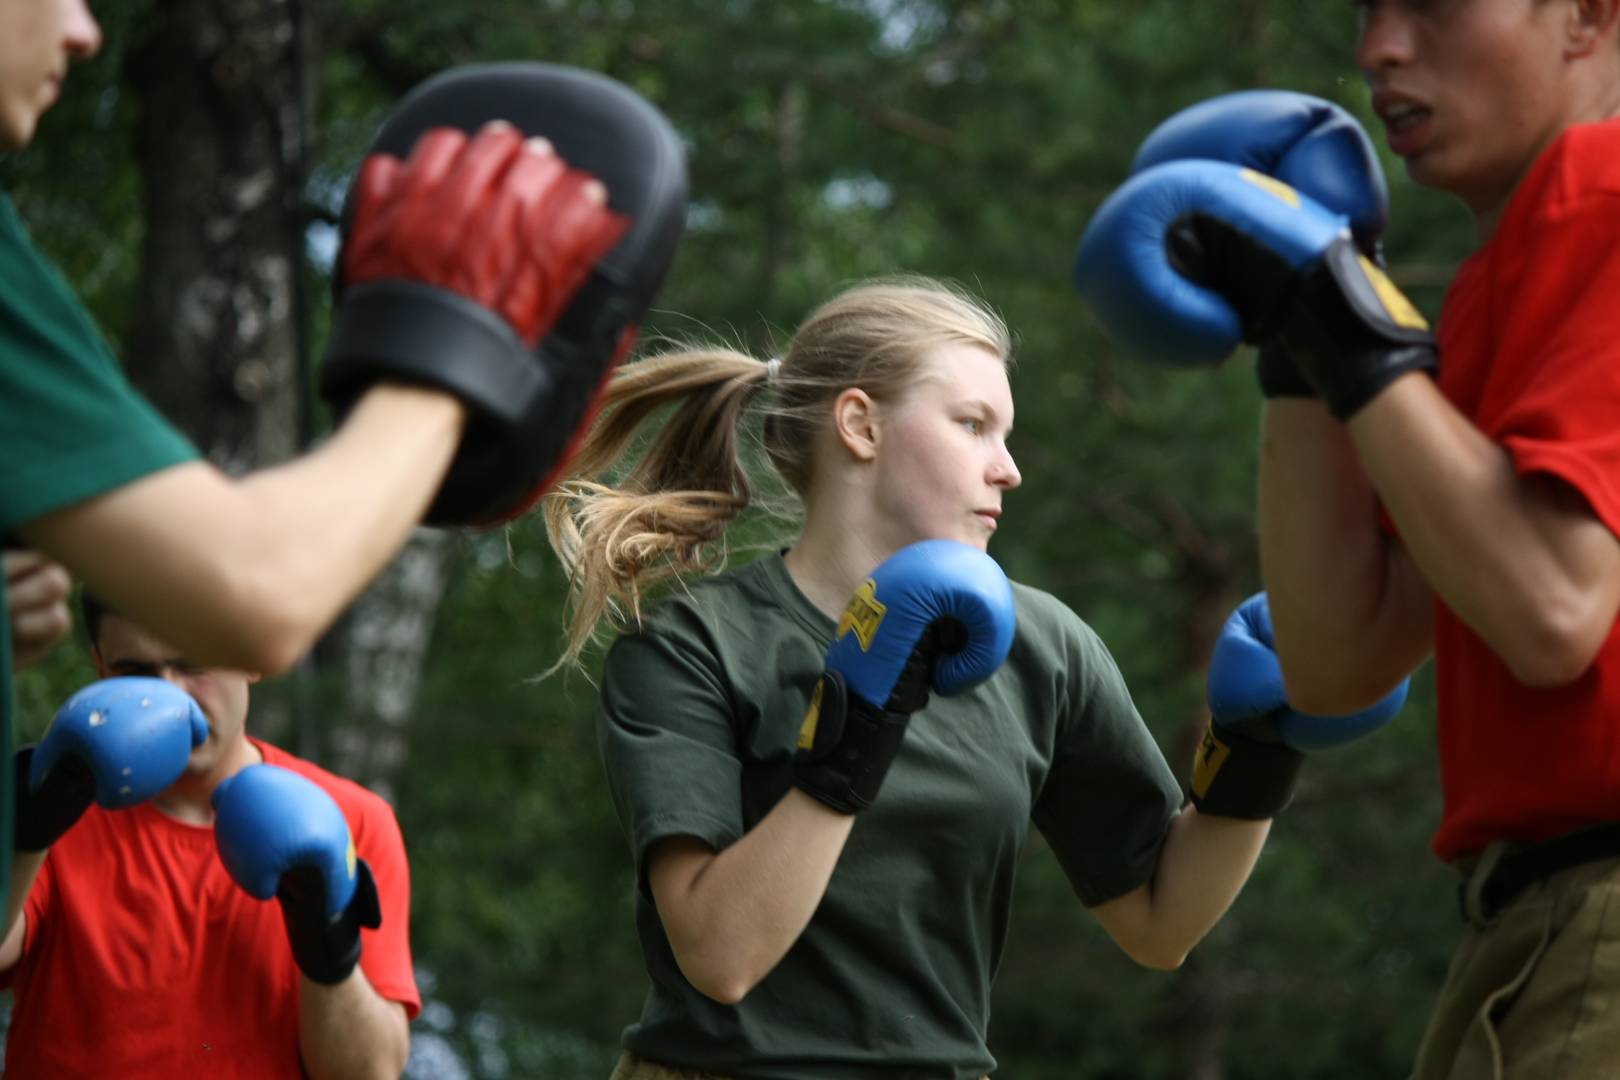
1404	117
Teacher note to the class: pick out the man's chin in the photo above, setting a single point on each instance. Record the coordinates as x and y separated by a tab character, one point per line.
203	758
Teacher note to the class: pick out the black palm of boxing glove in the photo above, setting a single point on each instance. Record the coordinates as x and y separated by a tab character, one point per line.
936	615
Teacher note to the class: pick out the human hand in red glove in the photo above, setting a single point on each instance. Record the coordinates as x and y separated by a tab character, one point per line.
481	257
497	218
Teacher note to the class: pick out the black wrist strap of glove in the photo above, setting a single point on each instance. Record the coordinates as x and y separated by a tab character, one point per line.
845	746
326	950
43	816
1351	332
1238	776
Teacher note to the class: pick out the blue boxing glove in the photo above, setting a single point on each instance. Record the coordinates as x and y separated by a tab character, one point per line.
117	742
1191	257
936	614
281	835
1255	744
1310	144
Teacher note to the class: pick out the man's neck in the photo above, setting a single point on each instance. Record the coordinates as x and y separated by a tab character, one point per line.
1594	105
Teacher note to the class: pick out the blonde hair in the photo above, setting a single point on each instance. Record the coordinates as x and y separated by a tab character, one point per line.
667	516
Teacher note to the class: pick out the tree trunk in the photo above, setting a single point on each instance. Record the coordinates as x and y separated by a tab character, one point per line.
214	339
218	336
378	652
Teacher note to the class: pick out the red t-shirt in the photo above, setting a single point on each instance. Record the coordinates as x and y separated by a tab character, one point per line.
1530	352
143	959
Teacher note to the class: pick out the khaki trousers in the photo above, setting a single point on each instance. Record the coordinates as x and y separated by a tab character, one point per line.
631	1067
1534	994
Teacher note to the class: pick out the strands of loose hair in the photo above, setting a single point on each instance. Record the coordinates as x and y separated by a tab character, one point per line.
621	529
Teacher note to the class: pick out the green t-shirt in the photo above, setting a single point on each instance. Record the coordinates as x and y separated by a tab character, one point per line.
71	427
701	710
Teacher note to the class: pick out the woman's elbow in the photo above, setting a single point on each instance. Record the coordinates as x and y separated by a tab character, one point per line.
726	992
1149	946
716	968
723	983
1158	956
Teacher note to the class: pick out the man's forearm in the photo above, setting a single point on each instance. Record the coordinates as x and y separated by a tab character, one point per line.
246	574
1523	561
25	867
350	1032
1352	618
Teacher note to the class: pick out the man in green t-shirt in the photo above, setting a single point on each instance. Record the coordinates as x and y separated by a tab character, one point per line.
245	573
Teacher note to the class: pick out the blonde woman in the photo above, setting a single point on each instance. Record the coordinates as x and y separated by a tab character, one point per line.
793	932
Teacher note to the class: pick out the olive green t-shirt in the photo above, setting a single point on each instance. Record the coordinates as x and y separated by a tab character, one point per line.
701	710
71	427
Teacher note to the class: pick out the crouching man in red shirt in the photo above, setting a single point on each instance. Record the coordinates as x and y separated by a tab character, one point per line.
133	952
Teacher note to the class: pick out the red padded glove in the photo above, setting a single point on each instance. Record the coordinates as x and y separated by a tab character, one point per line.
497	218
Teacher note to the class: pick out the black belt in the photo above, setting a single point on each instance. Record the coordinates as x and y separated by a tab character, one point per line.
1515	871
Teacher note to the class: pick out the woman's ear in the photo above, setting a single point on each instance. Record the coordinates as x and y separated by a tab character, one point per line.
855	423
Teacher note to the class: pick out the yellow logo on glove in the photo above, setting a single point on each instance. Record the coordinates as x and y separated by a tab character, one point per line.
812	718
1271	185
1212	754
863	615
1396	305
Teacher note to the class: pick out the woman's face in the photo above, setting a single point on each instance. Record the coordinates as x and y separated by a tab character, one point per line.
942	458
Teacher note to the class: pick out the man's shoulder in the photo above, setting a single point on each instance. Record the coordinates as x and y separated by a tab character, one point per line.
1580	166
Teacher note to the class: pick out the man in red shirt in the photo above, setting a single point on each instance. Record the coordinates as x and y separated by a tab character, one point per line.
137	955
1467	508
1501	477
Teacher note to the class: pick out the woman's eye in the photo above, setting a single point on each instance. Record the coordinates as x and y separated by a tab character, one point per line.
974	427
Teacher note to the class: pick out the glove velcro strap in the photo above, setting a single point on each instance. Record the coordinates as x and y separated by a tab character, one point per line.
406	331
845	746
326	950
422	334
1351	332
42	816
1240	777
